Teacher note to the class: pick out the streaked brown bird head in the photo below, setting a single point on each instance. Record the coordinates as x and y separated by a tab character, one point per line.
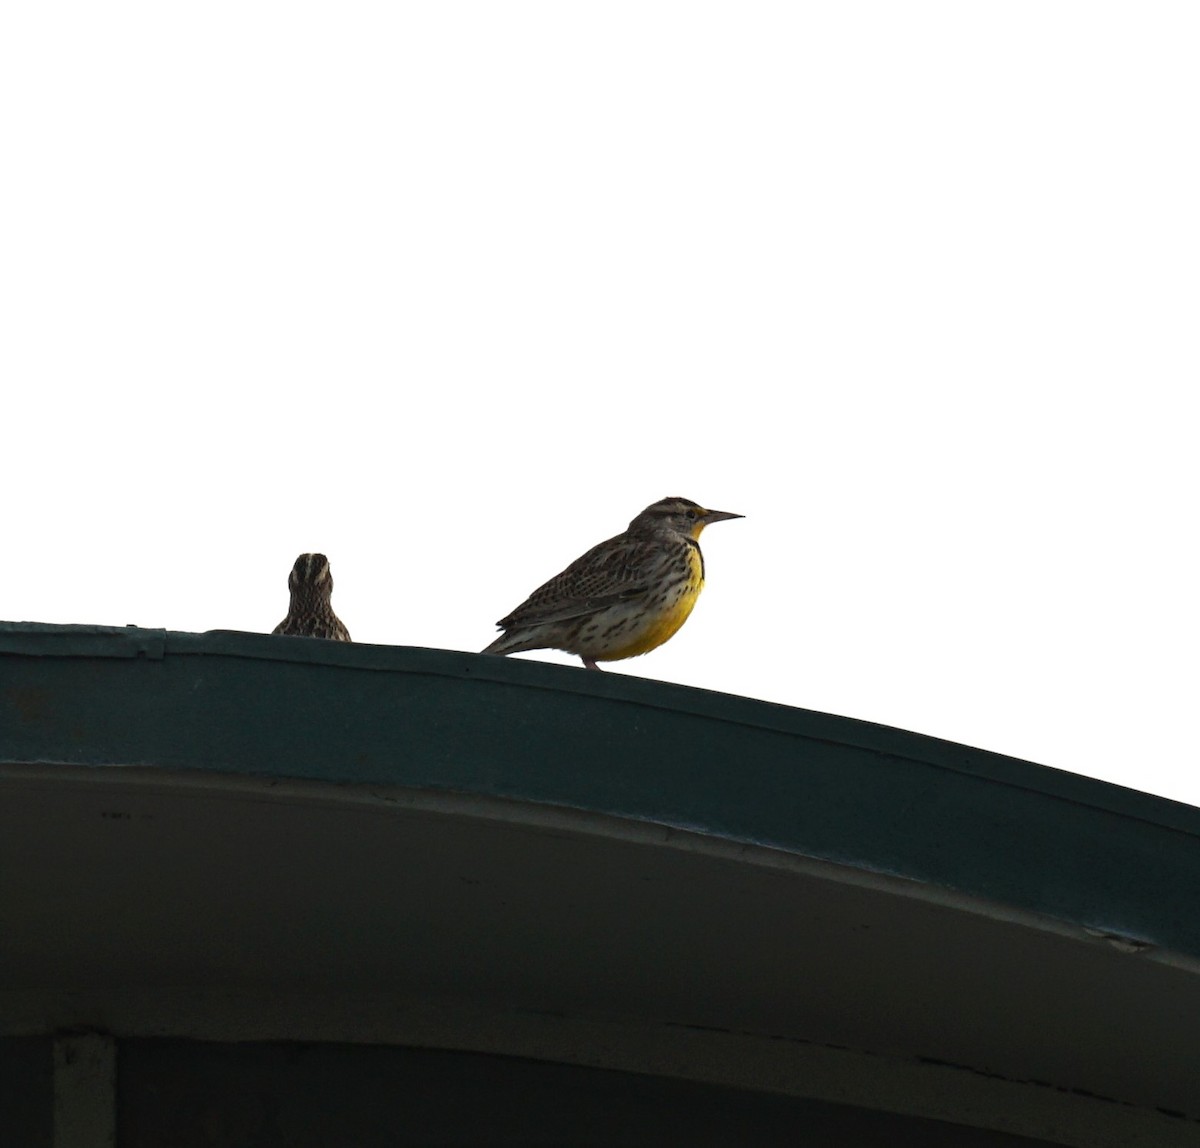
677	516
310	614
311	577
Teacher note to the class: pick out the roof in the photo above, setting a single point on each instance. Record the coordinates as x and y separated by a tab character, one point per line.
536	841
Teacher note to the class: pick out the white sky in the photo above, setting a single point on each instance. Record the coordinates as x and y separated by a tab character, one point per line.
451	291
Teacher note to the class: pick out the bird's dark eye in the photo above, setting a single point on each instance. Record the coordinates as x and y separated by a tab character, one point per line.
692	515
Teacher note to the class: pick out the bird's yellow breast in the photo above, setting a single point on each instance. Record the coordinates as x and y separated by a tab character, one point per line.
661	618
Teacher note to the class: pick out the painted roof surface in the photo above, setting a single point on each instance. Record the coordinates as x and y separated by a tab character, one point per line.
883	800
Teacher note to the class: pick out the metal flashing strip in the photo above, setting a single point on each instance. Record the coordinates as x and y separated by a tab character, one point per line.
37	639
47	640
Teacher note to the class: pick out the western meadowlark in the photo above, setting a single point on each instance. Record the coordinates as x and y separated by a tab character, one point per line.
310	614
623	597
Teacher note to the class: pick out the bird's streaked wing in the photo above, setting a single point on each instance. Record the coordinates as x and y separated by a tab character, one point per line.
612	572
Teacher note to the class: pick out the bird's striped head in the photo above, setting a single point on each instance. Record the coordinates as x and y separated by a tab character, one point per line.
311	573
677	516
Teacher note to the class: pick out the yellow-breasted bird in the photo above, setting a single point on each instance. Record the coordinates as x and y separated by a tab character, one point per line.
310	613
623	597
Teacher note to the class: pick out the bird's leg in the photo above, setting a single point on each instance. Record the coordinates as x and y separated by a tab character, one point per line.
590	663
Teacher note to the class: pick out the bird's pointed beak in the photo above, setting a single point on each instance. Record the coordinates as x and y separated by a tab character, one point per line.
711	516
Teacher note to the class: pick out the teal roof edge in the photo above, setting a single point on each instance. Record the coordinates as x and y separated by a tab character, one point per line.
886	800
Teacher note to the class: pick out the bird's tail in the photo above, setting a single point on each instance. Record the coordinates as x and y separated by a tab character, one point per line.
507	643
